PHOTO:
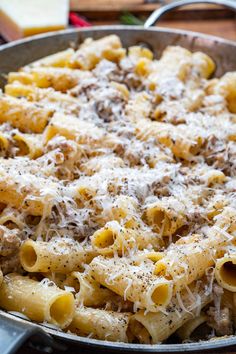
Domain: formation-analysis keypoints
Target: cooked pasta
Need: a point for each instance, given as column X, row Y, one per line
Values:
column 106, row 325
column 39, row 301
column 187, row 330
column 88, row 291
column 117, row 193
column 134, row 283
column 61, row 256
column 156, row 327
column 226, row 271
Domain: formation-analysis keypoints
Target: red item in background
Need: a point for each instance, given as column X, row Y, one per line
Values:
column 78, row 21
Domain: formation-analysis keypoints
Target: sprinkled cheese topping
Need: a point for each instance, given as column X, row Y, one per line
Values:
column 117, row 187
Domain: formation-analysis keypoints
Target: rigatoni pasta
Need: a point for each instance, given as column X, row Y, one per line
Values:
column 115, row 238
column 61, row 256
column 88, row 291
column 156, row 327
column 187, row 330
column 225, row 271
column 134, row 283
column 39, row 301
column 28, row 144
column 24, row 115
column 187, row 260
column 105, row 325
column 91, row 52
column 117, row 193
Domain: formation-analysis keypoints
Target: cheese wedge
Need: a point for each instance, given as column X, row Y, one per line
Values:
column 22, row 18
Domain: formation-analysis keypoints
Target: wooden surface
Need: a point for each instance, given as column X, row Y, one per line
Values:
column 205, row 19
column 135, row 6
column 209, row 19
column 221, row 28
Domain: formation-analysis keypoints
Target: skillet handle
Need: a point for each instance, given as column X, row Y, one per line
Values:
column 156, row 15
column 14, row 333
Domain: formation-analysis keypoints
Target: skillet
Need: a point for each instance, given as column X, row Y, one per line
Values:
column 14, row 331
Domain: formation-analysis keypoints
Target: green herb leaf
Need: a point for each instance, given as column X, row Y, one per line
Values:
column 129, row 19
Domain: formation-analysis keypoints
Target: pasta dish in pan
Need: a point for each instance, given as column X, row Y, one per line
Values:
column 118, row 193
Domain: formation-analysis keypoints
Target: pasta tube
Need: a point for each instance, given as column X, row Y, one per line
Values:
column 203, row 65
column 136, row 52
column 48, row 96
column 18, row 89
column 141, row 256
column 89, row 292
column 61, row 79
column 20, row 76
column 226, row 88
column 152, row 328
column 98, row 163
column 101, row 324
column 91, row 52
column 182, row 145
column 30, row 145
column 82, row 132
column 226, row 221
column 166, row 215
column 40, row 301
column 60, row 59
column 225, row 271
column 134, row 283
column 180, row 63
column 24, row 115
column 58, row 255
column 187, row 260
column 124, row 209
column 28, row 193
column 216, row 206
column 4, row 144
column 11, row 218
column 211, row 176
column 190, row 326
column 115, row 238
column 138, row 109
column 175, row 61
column 74, row 129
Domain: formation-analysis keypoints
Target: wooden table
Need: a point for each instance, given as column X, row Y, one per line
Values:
column 209, row 19
column 215, row 21
column 225, row 28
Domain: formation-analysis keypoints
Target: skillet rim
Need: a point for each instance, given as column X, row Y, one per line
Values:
column 75, row 340
column 116, row 27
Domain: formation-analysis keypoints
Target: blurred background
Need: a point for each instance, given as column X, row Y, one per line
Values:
column 20, row 18
column 210, row 19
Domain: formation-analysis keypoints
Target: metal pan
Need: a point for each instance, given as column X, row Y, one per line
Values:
column 14, row 331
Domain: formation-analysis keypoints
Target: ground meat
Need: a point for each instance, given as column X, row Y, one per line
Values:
column 67, row 147
column 220, row 321
column 9, row 241
column 10, row 264
column 9, row 249
column 221, row 155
